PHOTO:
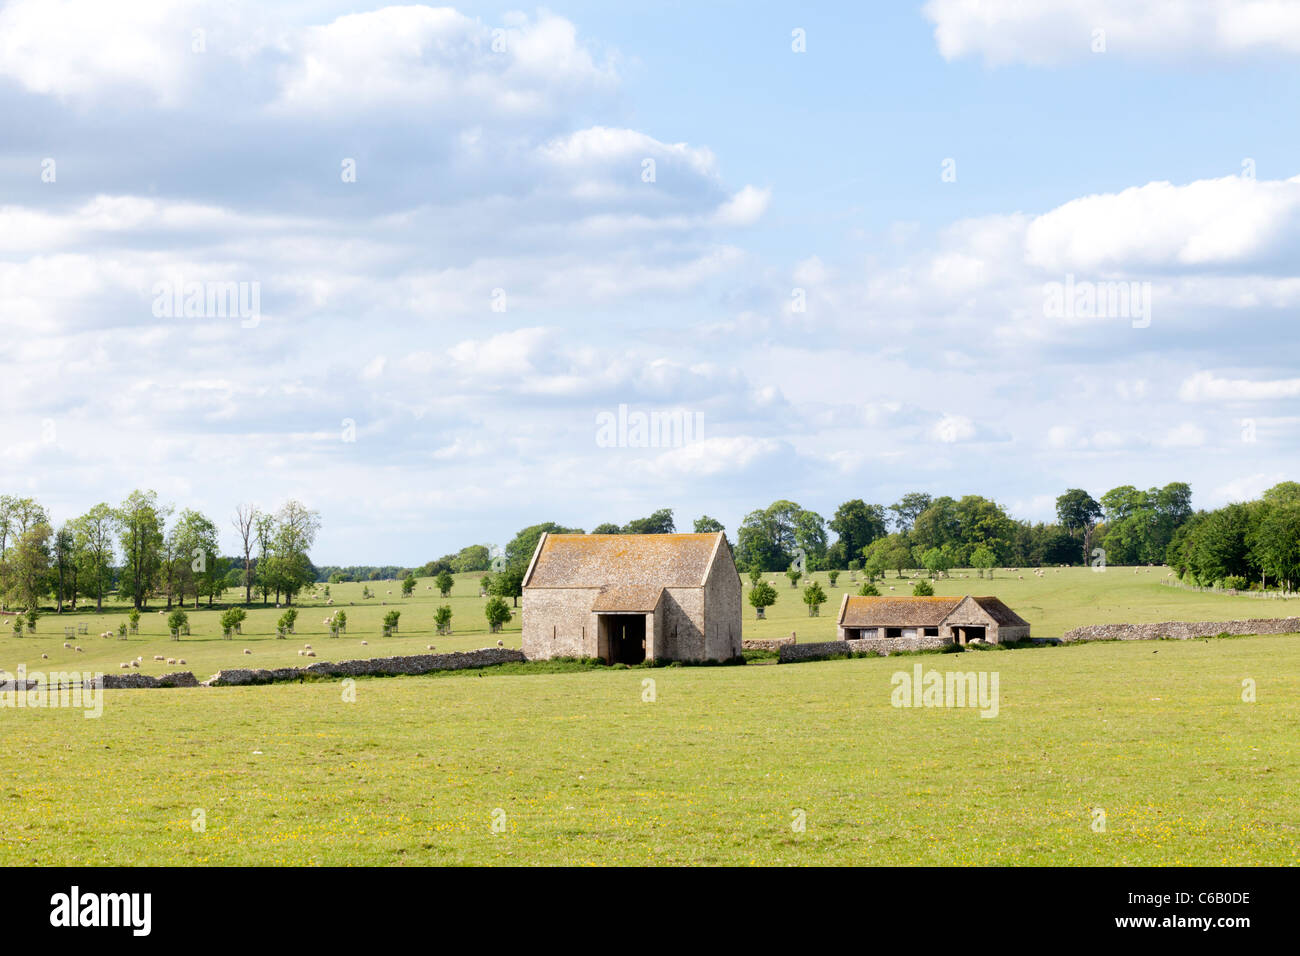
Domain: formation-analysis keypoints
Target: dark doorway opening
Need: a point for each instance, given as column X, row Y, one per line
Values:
column 969, row 632
column 625, row 636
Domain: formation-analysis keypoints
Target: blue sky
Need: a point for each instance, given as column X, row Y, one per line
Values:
column 436, row 340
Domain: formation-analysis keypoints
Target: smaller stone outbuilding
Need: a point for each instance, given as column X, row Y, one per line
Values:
column 952, row 620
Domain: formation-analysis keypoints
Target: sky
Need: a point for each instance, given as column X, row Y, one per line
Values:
column 401, row 263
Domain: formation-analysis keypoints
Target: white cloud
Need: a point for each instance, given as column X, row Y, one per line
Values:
column 1208, row 222
column 1042, row 34
column 1208, row 387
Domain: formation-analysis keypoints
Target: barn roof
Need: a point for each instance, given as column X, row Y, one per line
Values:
column 622, row 560
column 896, row 611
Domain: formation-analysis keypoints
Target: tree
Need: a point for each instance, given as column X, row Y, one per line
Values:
column 28, row 567
column 607, row 527
column 891, row 552
column 868, row 589
column 706, row 525
column 908, row 508
column 139, row 522
column 442, row 618
column 176, row 620
column 660, row 522
column 245, row 521
column 983, row 559
column 1078, row 514
column 444, row 582
column 794, row 574
column 814, row 597
column 832, row 576
column 408, row 585
column 192, row 546
column 856, row 524
column 497, row 613
column 1275, row 542
column 64, row 570
column 508, row 583
column 923, row 588
column 769, row 539
column 94, row 545
column 936, row 561
column 296, row 527
column 472, row 558
column 761, row 597
column 755, row 575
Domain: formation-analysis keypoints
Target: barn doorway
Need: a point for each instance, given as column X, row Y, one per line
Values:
column 623, row 638
column 969, row 632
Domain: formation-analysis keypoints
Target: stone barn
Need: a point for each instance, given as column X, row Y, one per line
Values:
column 628, row 598
column 953, row 620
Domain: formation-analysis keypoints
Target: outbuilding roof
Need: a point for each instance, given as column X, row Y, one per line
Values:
column 622, row 561
column 896, row 611
column 859, row 611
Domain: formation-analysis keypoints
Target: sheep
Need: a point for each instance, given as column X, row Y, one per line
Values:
column 181, row 662
column 365, row 643
column 125, row 667
column 501, row 643
column 45, row 657
column 79, row 650
column 157, row 657
column 300, row 653
column 67, row 646
column 135, row 663
column 247, row 651
column 428, row 647
column 171, row 660
column 310, row 654
column 891, row 587
column 307, row 647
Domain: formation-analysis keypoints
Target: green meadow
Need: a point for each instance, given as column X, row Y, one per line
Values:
column 757, row 764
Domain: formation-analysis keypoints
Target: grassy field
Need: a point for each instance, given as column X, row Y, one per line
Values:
column 1064, row 598
column 575, row 767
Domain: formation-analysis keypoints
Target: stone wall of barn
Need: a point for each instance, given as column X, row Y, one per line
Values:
column 558, row 622
column 723, row 603
column 683, row 624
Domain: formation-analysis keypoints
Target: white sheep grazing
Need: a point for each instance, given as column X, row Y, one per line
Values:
column 171, row 660
column 307, row 646
column 79, row 650
column 181, row 661
column 428, row 647
column 157, row 657
column 300, row 653
column 125, row 667
column 365, row 643
column 390, row 590
column 310, row 654
column 45, row 657
column 67, row 646
column 247, row 651
column 891, row 587
column 501, row 643
column 135, row 663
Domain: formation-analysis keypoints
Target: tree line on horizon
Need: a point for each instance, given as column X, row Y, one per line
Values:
column 144, row 550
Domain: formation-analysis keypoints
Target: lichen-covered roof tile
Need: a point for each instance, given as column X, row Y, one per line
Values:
column 623, row 560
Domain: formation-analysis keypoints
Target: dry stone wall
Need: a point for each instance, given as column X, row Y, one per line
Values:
column 380, row 666
column 1181, row 630
column 874, row 645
